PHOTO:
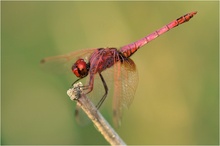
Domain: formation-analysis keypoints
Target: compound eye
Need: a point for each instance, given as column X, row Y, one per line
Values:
column 80, row 68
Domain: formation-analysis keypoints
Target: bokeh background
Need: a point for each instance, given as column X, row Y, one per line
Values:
column 176, row 101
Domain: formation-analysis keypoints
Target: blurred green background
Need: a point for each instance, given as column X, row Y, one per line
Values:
column 176, row 101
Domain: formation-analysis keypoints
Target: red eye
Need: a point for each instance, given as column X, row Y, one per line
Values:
column 80, row 68
column 75, row 71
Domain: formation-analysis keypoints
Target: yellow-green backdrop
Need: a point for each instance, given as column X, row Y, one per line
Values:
column 176, row 101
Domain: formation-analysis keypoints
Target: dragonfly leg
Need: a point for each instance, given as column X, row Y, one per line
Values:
column 106, row 92
column 86, row 87
column 75, row 81
column 89, row 88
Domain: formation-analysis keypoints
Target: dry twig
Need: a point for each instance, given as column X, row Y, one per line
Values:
column 102, row 125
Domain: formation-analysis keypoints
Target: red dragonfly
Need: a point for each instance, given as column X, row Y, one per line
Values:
column 125, row 74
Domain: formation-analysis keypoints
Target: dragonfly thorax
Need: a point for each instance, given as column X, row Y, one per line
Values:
column 80, row 68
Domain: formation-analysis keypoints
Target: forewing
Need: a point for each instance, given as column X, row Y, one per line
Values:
column 63, row 63
column 126, row 81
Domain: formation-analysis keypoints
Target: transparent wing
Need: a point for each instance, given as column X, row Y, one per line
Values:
column 80, row 117
column 63, row 63
column 126, row 81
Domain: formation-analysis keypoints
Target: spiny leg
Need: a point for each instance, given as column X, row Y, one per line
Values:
column 84, row 87
column 90, row 87
column 106, row 92
column 76, row 81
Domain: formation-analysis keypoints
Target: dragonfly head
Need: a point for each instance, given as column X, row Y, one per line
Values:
column 80, row 68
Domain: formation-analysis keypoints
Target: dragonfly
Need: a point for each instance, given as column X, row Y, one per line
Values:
column 92, row 62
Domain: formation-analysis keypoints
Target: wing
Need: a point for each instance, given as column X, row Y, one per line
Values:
column 63, row 63
column 126, row 81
